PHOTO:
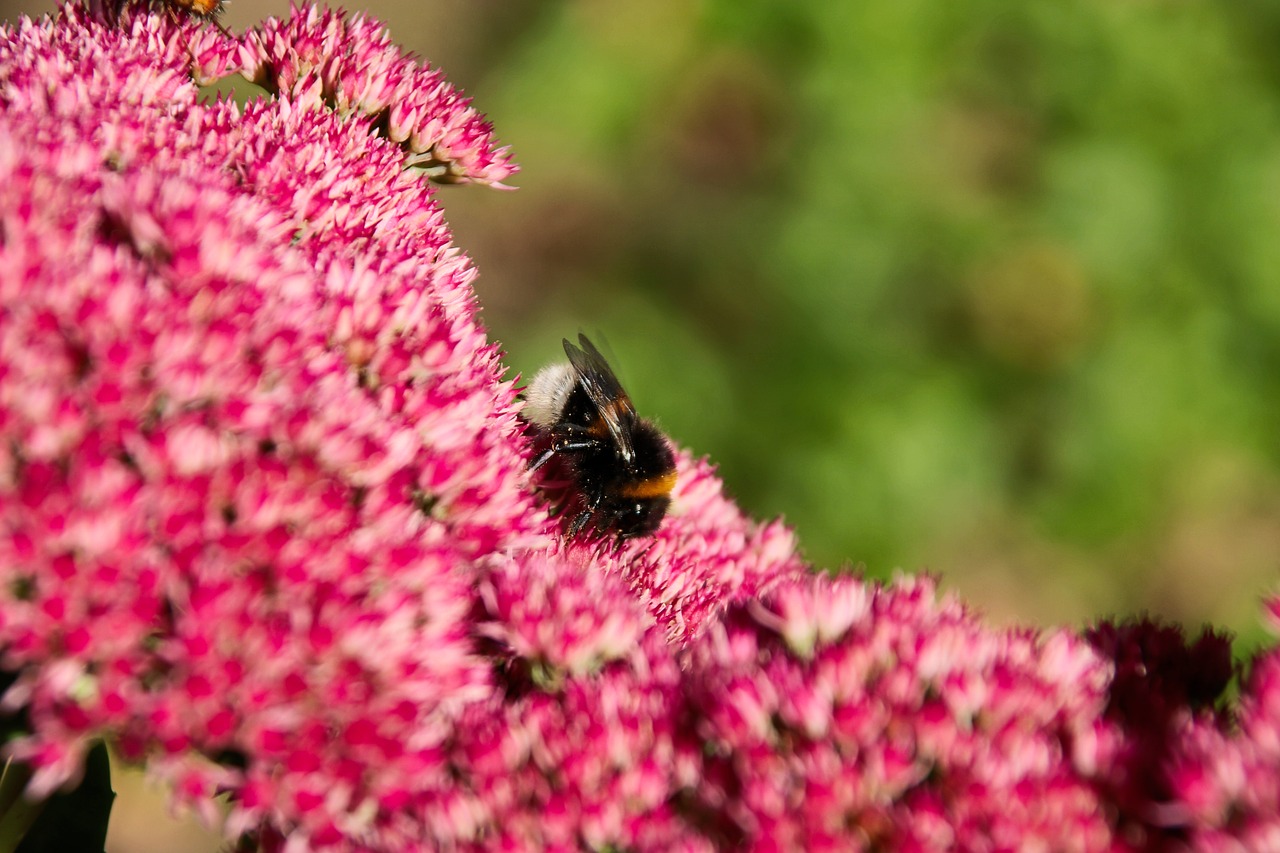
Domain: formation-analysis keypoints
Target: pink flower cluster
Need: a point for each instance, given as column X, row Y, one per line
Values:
column 837, row 713
column 266, row 526
column 1223, row 782
column 255, row 445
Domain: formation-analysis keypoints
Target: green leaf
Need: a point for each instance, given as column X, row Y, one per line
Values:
column 69, row 821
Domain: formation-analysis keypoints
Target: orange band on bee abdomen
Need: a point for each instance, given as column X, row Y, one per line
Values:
column 650, row 487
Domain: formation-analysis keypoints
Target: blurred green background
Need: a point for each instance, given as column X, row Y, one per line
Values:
column 986, row 288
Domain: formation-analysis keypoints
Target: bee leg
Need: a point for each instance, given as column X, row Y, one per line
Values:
column 565, row 444
column 542, row 460
column 579, row 521
column 562, row 446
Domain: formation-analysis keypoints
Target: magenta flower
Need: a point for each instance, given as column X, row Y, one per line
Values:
column 266, row 526
column 1223, row 780
column 837, row 713
column 255, row 444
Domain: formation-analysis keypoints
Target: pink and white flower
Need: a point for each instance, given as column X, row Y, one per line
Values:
column 266, row 525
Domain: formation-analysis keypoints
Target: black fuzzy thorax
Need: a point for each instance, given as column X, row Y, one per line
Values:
column 594, row 488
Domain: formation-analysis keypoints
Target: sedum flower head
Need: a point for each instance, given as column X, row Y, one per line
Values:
column 255, row 443
column 266, row 525
column 839, row 714
column 1220, row 778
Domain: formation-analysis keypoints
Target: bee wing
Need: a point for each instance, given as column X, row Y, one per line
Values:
column 605, row 391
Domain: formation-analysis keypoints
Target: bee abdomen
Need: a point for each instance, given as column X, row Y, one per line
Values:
column 656, row 486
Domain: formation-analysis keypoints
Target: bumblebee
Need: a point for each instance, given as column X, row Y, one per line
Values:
column 199, row 8
column 606, row 470
column 204, row 10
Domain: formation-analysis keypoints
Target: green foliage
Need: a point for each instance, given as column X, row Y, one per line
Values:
column 987, row 287
column 71, row 821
